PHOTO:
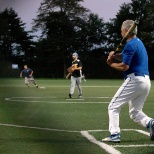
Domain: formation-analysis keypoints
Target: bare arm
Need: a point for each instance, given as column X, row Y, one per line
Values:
column 118, row 66
column 21, row 75
column 67, row 76
column 31, row 74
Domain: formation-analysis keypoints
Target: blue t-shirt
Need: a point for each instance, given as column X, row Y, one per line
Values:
column 26, row 72
column 135, row 55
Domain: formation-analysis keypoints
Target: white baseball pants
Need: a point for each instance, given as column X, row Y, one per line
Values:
column 133, row 91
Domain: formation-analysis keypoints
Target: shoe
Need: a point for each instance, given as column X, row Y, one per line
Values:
column 80, row 96
column 150, row 128
column 70, row 96
column 27, row 85
column 36, row 86
column 112, row 138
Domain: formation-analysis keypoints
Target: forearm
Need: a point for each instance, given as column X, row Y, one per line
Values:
column 31, row 73
column 21, row 75
column 118, row 66
column 67, row 76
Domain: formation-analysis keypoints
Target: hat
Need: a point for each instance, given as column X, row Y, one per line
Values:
column 75, row 54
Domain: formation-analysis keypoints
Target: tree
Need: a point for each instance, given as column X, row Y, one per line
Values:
column 68, row 27
column 14, row 40
column 71, row 8
column 136, row 10
column 141, row 10
column 56, row 19
column 95, row 32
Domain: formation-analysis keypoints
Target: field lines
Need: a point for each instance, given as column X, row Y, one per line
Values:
column 54, row 99
column 37, row 128
column 111, row 149
column 104, row 146
column 59, row 86
column 133, row 146
column 75, row 99
column 38, row 120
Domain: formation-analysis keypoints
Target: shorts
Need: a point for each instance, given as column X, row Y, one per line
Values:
column 28, row 80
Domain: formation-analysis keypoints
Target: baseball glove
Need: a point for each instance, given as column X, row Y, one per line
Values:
column 70, row 70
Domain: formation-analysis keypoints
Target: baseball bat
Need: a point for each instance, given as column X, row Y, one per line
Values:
column 130, row 30
column 83, row 77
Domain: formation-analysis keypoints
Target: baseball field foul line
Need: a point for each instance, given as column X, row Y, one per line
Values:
column 38, row 128
column 106, row 147
column 109, row 149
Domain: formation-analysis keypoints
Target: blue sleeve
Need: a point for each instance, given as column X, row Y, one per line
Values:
column 127, row 54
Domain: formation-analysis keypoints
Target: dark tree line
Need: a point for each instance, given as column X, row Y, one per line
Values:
column 15, row 42
column 66, row 27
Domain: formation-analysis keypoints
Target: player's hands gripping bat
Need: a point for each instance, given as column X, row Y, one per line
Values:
column 130, row 30
column 115, row 55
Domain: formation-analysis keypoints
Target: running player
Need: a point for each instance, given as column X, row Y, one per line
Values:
column 136, row 87
column 27, row 73
column 76, row 77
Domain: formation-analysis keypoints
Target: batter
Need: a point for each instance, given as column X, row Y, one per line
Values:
column 136, row 87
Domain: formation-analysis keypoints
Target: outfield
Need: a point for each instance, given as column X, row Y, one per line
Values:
column 44, row 121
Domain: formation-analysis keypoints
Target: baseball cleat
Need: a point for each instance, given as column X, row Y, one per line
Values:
column 150, row 128
column 112, row 138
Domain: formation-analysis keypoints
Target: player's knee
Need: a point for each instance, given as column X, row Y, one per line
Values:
column 133, row 114
column 113, row 109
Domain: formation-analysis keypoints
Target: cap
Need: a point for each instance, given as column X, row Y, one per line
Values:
column 75, row 54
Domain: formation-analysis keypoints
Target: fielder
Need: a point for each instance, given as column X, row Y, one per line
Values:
column 76, row 77
column 28, row 74
column 136, row 87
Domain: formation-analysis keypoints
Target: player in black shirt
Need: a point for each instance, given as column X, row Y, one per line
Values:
column 76, row 75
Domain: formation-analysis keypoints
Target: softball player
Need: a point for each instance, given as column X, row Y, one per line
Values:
column 135, row 88
column 75, row 75
column 28, row 74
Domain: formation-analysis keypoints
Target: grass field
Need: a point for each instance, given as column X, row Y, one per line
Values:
column 44, row 121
